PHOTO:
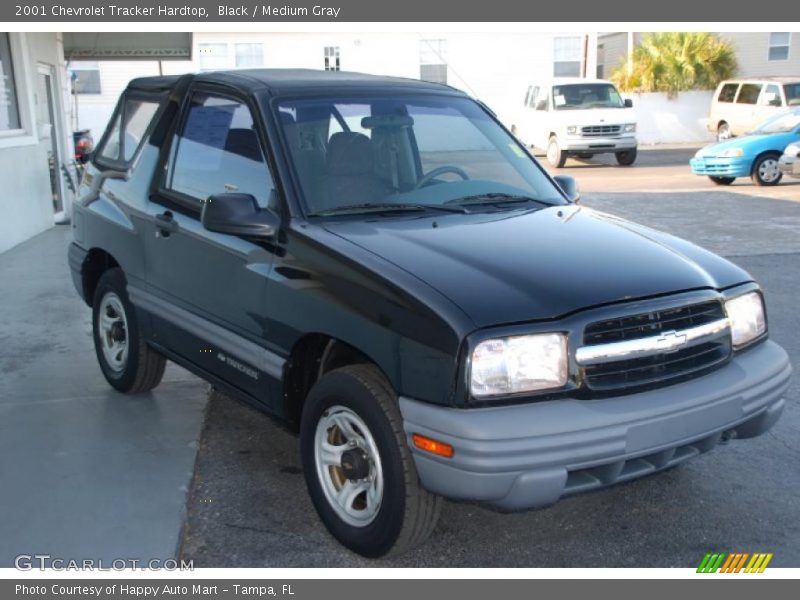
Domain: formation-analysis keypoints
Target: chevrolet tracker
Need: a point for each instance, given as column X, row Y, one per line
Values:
column 382, row 265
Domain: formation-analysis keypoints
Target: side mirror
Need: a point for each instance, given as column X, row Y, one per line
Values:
column 628, row 103
column 238, row 214
column 569, row 186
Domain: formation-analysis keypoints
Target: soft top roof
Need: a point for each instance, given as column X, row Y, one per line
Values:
column 294, row 81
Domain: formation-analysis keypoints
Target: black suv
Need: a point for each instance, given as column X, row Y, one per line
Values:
column 382, row 265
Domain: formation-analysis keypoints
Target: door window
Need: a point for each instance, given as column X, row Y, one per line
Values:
column 217, row 151
column 748, row 94
column 771, row 96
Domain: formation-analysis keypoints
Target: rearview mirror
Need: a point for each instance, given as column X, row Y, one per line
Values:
column 569, row 186
column 628, row 103
column 238, row 214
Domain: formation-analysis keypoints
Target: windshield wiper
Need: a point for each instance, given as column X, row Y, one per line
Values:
column 383, row 207
column 495, row 198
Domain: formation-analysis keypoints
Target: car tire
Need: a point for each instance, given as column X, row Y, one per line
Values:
column 127, row 362
column 765, row 169
column 387, row 511
column 626, row 158
column 724, row 132
column 555, row 155
column 722, row 180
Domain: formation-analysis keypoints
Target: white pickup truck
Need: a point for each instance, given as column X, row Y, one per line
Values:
column 578, row 117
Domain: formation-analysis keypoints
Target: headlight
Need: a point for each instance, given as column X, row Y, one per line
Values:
column 522, row 363
column 792, row 150
column 572, row 130
column 732, row 153
column 630, row 128
column 746, row 313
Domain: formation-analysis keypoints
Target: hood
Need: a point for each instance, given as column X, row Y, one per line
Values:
column 513, row 267
column 756, row 142
column 596, row 116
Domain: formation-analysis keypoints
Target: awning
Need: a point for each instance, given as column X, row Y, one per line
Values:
column 79, row 45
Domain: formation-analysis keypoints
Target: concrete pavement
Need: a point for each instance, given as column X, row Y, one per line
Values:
column 85, row 472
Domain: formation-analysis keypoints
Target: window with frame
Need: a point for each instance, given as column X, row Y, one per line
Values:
column 749, row 93
column 217, row 151
column 771, row 96
column 213, row 56
column 332, row 62
column 779, row 45
column 9, row 105
column 567, row 56
column 128, row 129
column 728, row 92
column 86, row 77
column 249, row 56
column 433, row 61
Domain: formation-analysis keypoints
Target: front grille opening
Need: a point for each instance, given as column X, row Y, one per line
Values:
column 600, row 130
column 660, row 369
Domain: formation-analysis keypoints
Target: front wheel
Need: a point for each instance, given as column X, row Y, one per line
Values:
column 722, row 180
column 357, row 465
column 626, row 158
column 555, row 155
column 766, row 170
column 724, row 132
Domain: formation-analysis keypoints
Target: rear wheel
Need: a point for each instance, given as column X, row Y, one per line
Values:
column 722, row 180
column 555, row 155
column 724, row 132
column 127, row 362
column 626, row 158
column 358, row 468
column 766, row 170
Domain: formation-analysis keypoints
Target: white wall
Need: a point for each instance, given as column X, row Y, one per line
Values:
column 664, row 120
column 26, row 195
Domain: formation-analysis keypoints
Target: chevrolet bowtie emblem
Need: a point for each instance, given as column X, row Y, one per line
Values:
column 670, row 340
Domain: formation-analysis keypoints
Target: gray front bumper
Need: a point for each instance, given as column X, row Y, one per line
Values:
column 598, row 145
column 529, row 455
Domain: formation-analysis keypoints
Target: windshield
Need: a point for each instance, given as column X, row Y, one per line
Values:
column 577, row 96
column 783, row 123
column 369, row 153
column 792, row 91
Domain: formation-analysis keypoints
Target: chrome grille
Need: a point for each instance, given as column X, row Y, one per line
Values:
column 600, row 130
column 653, row 348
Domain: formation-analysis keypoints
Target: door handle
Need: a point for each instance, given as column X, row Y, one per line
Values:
column 166, row 224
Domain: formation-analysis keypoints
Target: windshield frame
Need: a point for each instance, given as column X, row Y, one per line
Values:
column 271, row 106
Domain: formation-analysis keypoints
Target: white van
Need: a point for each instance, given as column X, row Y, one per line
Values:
column 739, row 105
column 578, row 117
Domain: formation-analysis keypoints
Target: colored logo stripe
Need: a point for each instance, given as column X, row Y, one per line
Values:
column 734, row 563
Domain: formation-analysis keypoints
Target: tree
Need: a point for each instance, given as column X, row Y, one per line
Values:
column 673, row 62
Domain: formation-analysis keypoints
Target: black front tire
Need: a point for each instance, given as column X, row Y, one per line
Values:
column 722, row 180
column 144, row 367
column 626, row 158
column 407, row 513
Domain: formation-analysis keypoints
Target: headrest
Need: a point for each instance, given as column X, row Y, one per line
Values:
column 243, row 142
column 349, row 153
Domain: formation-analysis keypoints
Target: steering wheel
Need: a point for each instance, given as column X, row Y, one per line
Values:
column 426, row 179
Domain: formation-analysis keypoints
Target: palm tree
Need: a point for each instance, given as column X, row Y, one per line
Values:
column 677, row 61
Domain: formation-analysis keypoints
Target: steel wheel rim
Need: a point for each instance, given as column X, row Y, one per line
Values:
column 339, row 430
column 768, row 170
column 552, row 152
column 112, row 326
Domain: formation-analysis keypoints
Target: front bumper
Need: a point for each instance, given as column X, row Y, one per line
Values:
column 790, row 165
column 721, row 167
column 524, row 456
column 597, row 145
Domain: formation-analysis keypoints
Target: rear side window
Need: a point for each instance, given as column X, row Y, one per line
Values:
column 128, row 129
column 217, row 151
column 728, row 92
column 748, row 94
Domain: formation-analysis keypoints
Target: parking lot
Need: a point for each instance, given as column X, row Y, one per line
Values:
column 88, row 472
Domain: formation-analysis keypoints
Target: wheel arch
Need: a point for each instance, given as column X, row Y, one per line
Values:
column 311, row 357
column 97, row 262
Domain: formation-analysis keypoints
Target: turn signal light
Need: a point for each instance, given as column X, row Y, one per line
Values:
column 432, row 446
